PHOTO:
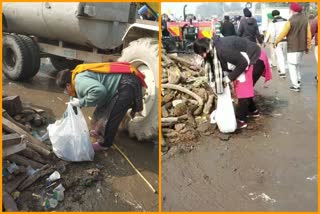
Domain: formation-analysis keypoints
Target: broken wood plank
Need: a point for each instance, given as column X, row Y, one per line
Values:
column 11, row 139
column 13, row 185
column 12, row 105
column 8, row 202
column 21, row 160
column 46, row 169
column 7, row 116
column 33, row 155
column 36, row 109
column 33, row 143
column 14, row 148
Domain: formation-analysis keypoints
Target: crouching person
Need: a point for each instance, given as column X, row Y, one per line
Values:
column 113, row 88
column 244, row 62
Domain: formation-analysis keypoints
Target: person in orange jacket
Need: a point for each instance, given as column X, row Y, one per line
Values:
column 113, row 88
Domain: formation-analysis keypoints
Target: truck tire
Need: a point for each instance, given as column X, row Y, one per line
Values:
column 15, row 57
column 34, row 53
column 60, row 63
column 143, row 54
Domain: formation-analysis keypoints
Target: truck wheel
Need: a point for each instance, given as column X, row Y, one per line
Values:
column 60, row 63
column 34, row 54
column 15, row 57
column 143, row 54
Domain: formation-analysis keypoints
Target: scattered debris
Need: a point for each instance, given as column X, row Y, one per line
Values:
column 312, row 178
column 263, row 196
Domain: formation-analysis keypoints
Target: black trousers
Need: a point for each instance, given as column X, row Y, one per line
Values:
column 107, row 118
column 246, row 105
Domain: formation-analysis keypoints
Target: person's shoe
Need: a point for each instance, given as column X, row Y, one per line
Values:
column 254, row 114
column 299, row 82
column 282, row 75
column 97, row 147
column 93, row 133
column 241, row 124
column 292, row 88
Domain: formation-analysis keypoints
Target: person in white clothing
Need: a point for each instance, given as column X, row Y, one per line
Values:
column 281, row 50
column 268, row 39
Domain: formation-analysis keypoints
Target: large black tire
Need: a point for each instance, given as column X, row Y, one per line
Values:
column 146, row 50
column 15, row 57
column 34, row 53
column 60, row 63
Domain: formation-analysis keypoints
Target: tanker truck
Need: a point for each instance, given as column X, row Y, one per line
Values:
column 70, row 33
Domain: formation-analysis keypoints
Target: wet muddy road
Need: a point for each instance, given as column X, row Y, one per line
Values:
column 270, row 166
column 118, row 188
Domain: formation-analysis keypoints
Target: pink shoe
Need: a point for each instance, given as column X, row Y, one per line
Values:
column 93, row 133
column 97, row 147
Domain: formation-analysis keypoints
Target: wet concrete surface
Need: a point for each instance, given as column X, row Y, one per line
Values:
column 270, row 166
column 118, row 188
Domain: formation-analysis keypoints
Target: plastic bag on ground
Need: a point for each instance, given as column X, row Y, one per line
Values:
column 224, row 114
column 70, row 137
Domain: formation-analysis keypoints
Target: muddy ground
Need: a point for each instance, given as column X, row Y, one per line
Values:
column 117, row 188
column 270, row 166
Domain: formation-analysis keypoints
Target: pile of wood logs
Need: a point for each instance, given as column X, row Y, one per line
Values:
column 21, row 151
column 187, row 99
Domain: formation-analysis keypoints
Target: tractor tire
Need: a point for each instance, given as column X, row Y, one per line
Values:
column 143, row 54
column 34, row 53
column 60, row 63
column 15, row 57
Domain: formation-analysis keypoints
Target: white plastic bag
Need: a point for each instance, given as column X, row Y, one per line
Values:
column 70, row 137
column 224, row 114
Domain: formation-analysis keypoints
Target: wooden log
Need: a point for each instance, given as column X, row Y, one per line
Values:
column 8, row 202
column 45, row 170
column 166, row 130
column 12, row 105
column 33, row 143
column 182, row 61
column 208, row 105
column 167, row 124
column 33, row 155
column 14, row 148
column 174, row 119
column 184, row 90
column 21, row 160
column 166, row 60
column 164, row 112
column 13, row 185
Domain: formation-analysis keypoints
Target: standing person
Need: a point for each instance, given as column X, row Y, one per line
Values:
column 298, row 33
column 248, row 27
column 281, row 49
column 269, row 39
column 112, row 88
column 238, row 56
column 227, row 28
column 314, row 34
column 164, row 25
column 217, row 27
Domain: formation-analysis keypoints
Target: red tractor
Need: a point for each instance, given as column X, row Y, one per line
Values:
column 182, row 34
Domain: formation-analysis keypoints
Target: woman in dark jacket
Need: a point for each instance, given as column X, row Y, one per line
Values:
column 232, row 50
